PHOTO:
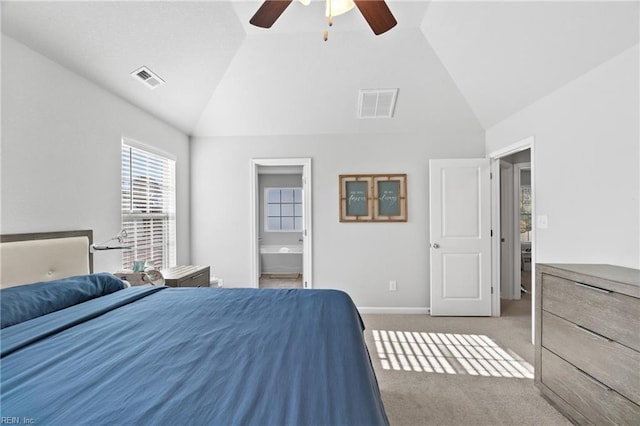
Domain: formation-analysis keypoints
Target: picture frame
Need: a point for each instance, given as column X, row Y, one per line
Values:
column 390, row 198
column 373, row 198
column 355, row 198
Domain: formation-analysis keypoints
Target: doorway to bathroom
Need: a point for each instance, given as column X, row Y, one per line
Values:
column 281, row 223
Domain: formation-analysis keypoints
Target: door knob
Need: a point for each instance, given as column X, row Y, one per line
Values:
column 435, row 245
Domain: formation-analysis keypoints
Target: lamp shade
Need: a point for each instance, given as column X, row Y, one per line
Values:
column 338, row 7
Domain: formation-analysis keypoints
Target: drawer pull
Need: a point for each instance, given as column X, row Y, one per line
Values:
column 590, row 287
column 197, row 276
column 592, row 333
column 594, row 381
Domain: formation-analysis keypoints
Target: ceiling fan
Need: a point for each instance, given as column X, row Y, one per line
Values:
column 375, row 12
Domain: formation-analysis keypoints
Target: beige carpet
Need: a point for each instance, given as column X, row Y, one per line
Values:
column 463, row 395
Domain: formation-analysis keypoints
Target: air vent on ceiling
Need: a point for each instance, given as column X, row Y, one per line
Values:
column 377, row 103
column 148, row 77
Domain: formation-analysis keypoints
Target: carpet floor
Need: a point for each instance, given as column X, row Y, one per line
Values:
column 458, row 370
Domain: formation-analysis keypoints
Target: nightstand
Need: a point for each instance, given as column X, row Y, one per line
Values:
column 186, row 276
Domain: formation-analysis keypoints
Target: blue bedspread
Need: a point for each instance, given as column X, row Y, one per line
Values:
column 195, row 356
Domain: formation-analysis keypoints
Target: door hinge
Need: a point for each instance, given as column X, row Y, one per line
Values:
column 492, row 232
column 491, row 290
column 306, row 285
column 490, row 175
column 305, row 232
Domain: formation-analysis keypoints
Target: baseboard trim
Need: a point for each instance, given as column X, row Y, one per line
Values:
column 413, row 311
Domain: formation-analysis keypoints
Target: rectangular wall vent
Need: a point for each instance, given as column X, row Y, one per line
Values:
column 148, row 77
column 377, row 103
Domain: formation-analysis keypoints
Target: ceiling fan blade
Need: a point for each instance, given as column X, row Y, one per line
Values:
column 269, row 12
column 377, row 14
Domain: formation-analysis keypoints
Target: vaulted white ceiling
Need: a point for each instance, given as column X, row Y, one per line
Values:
column 226, row 77
column 505, row 55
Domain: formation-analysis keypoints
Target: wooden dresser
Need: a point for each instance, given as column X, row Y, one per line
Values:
column 587, row 341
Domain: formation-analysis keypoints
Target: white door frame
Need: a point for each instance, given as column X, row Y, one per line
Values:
column 527, row 143
column 307, row 264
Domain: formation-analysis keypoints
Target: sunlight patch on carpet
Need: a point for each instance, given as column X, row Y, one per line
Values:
column 448, row 353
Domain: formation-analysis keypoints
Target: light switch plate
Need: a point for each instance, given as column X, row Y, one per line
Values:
column 542, row 221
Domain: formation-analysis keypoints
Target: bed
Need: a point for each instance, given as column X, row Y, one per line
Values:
column 105, row 354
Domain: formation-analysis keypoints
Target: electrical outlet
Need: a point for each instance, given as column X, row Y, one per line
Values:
column 393, row 285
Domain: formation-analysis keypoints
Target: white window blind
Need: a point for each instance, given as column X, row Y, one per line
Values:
column 148, row 207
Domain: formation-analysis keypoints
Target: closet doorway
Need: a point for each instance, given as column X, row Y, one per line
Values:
column 281, row 223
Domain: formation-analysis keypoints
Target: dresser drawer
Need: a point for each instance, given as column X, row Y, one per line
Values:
column 187, row 276
column 610, row 314
column 599, row 403
column 200, row 279
column 611, row 363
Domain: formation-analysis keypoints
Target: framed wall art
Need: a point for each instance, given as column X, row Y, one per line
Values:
column 355, row 198
column 373, row 198
column 390, row 198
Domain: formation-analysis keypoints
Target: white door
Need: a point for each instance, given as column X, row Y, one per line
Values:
column 506, row 231
column 460, row 230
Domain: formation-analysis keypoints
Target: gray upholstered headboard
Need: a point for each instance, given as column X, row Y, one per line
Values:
column 44, row 256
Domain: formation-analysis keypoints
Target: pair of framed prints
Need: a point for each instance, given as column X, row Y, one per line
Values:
column 373, row 198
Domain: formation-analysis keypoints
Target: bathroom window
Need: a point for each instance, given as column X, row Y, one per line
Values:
column 283, row 209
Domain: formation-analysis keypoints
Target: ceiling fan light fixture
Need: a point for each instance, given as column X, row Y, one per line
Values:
column 375, row 12
column 338, row 7
column 305, row 2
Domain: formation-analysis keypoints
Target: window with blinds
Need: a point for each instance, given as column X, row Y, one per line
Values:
column 148, row 207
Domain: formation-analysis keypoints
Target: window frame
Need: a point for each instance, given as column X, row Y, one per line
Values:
column 295, row 217
column 161, row 169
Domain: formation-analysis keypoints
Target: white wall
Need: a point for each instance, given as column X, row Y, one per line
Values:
column 258, row 111
column 359, row 258
column 586, row 164
column 61, row 138
column 277, row 263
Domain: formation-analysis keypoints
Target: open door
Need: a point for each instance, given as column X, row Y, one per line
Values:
column 507, row 233
column 460, row 229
